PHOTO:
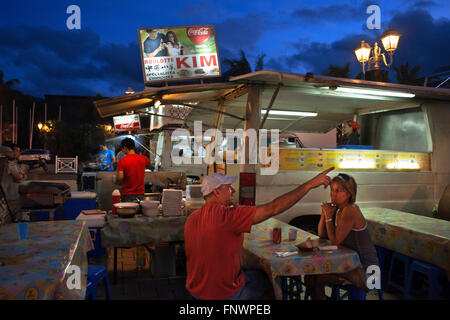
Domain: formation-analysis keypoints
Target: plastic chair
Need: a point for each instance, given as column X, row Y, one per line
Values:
column 291, row 287
column 98, row 251
column 433, row 274
column 352, row 292
column 95, row 274
column 91, row 291
column 405, row 261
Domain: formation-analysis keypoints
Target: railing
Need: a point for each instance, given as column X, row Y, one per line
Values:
column 66, row 165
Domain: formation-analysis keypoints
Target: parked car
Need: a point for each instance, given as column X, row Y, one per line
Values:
column 34, row 155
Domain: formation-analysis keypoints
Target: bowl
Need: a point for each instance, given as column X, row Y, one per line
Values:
column 126, row 209
column 308, row 245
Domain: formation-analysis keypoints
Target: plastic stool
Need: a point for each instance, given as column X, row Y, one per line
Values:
column 98, row 251
column 91, row 291
column 381, row 252
column 406, row 261
column 353, row 293
column 433, row 274
column 95, row 274
column 291, row 287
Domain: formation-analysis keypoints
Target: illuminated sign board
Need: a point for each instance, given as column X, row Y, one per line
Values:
column 127, row 123
column 178, row 53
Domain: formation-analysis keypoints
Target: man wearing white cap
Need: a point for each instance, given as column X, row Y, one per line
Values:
column 214, row 236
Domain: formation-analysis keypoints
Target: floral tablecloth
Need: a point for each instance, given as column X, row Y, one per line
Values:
column 139, row 230
column 419, row 237
column 39, row 267
column 259, row 251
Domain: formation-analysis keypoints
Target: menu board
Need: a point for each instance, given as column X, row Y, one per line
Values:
column 360, row 160
column 178, row 53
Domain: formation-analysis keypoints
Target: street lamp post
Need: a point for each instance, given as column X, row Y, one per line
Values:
column 363, row 53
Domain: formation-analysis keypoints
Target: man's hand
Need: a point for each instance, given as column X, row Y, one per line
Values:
column 321, row 179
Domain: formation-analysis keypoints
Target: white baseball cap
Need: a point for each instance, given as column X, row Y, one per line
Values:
column 214, row 181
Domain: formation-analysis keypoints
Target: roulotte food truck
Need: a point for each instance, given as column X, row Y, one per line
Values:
column 402, row 162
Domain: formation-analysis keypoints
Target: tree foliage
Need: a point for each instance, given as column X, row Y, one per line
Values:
column 64, row 140
column 406, row 76
column 338, row 71
column 242, row 66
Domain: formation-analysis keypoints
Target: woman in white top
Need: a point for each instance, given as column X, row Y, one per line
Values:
column 173, row 46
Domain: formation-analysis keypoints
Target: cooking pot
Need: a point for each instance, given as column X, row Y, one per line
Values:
column 126, row 209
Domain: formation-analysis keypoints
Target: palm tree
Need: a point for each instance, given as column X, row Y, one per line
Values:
column 406, row 76
column 337, row 71
column 260, row 62
column 242, row 66
column 8, row 84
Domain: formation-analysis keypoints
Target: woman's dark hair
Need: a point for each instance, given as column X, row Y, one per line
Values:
column 174, row 37
column 128, row 143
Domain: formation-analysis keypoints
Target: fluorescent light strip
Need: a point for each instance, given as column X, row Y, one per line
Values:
column 376, row 92
column 289, row 113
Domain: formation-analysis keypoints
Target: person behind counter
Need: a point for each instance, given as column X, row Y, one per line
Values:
column 107, row 158
column 350, row 133
column 131, row 171
column 214, row 236
column 343, row 223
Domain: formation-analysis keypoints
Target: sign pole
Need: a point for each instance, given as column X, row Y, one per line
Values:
column 31, row 125
column 13, row 121
column 1, row 124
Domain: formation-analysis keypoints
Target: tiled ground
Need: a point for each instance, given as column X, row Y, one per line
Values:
column 135, row 280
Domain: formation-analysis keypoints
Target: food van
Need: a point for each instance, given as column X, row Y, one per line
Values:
column 404, row 164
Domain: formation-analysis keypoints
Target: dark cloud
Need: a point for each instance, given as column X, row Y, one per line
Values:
column 242, row 33
column 424, row 4
column 423, row 42
column 334, row 13
column 315, row 57
column 69, row 62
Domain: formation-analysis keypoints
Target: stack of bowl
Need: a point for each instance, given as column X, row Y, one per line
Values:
column 150, row 208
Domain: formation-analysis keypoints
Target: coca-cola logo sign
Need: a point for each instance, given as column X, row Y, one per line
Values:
column 198, row 35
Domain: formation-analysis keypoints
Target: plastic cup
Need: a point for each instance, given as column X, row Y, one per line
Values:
column 292, row 234
column 22, row 229
column 276, row 235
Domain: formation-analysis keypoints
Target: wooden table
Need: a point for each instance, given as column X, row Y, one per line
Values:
column 419, row 237
column 259, row 252
column 141, row 230
column 38, row 267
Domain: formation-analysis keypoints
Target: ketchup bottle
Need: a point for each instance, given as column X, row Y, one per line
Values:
column 115, row 199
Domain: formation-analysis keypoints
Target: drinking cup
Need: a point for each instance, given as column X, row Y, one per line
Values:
column 22, row 229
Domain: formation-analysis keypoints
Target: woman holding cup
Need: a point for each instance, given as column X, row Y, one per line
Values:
column 343, row 223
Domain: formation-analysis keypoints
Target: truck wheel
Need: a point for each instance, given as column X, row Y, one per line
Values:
column 306, row 223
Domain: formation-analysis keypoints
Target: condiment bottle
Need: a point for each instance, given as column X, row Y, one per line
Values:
column 115, row 199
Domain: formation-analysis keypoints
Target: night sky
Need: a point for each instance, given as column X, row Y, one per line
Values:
column 103, row 58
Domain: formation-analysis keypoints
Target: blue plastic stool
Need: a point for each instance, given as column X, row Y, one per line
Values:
column 406, row 261
column 95, row 274
column 352, row 292
column 96, row 238
column 433, row 274
column 291, row 286
column 91, row 291
column 381, row 253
